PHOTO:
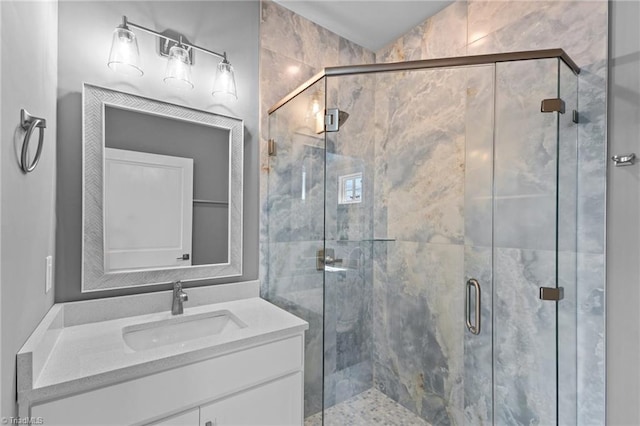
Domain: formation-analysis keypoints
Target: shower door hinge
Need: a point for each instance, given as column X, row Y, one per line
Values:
column 551, row 293
column 332, row 120
column 576, row 117
column 271, row 148
column 552, row 105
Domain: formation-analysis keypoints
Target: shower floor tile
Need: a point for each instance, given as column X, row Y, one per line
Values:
column 369, row 408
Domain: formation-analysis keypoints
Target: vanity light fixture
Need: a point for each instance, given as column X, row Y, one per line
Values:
column 178, row 72
column 124, row 58
column 225, row 83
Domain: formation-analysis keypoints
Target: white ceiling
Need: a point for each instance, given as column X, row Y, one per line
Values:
column 370, row 23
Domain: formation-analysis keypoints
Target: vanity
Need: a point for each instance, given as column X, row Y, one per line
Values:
column 128, row 361
column 162, row 203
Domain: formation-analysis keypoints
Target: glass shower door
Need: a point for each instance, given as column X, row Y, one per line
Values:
column 534, row 243
column 295, row 208
column 395, row 339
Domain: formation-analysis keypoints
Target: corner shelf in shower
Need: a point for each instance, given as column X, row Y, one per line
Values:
column 367, row 240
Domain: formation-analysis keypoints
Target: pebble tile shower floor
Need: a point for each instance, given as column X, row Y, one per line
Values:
column 369, row 408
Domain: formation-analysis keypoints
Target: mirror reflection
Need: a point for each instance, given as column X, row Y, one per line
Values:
column 166, row 192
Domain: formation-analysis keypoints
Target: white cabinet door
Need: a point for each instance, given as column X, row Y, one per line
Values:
column 190, row 418
column 278, row 403
column 148, row 210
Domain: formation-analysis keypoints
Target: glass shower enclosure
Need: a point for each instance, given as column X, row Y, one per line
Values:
column 422, row 219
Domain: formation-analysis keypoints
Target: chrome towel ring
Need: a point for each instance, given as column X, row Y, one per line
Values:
column 29, row 123
column 624, row 159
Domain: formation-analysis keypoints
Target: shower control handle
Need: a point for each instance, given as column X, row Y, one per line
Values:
column 326, row 257
column 473, row 327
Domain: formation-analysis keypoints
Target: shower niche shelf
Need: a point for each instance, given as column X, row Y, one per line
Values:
column 367, row 240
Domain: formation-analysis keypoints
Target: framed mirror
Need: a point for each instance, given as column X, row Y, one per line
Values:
column 162, row 192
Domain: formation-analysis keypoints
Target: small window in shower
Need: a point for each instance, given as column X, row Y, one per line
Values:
column 350, row 189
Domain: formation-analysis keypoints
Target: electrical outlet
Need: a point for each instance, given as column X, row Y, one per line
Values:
column 49, row 274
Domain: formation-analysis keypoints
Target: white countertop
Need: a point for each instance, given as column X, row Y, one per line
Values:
column 62, row 360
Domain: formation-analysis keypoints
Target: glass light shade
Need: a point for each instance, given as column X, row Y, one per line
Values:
column 178, row 73
column 124, row 56
column 225, row 82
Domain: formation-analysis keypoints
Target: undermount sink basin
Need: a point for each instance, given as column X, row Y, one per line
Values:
column 181, row 329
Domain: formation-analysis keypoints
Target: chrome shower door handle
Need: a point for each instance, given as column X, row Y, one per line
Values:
column 474, row 328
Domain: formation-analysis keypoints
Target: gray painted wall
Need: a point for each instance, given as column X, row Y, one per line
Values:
column 27, row 202
column 209, row 149
column 229, row 26
column 623, row 218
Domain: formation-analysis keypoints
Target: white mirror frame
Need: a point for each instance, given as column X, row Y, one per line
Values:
column 94, row 278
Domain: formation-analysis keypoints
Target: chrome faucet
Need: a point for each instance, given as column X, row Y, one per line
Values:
column 179, row 296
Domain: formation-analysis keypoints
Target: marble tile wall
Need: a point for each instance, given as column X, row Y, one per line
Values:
column 292, row 224
column 524, row 338
column 418, row 347
column 419, row 278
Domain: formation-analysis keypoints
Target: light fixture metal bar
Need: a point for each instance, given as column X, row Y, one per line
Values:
column 126, row 22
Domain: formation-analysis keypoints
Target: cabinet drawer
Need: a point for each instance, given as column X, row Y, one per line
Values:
column 147, row 398
column 278, row 403
column 190, row 418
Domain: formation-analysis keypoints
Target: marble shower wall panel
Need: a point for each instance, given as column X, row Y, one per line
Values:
column 295, row 206
column 525, row 155
column 478, row 349
column 478, row 217
column 524, row 338
column 478, row 162
column 418, row 328
column 296, row 181
column 350, row 53
column 292, row 50
column 291, row 35
column 424, row 156
column 567, row 162
column 591, row 339
column 418, row 282
column 487, row 16
column 304, row 304
column 348, row 230
column 351, row 150
column 276, row 75
column 384, row 88
column 567, row 339
column 580, row 28
column 348, row 323
column 442, row 35
column 293, row 268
